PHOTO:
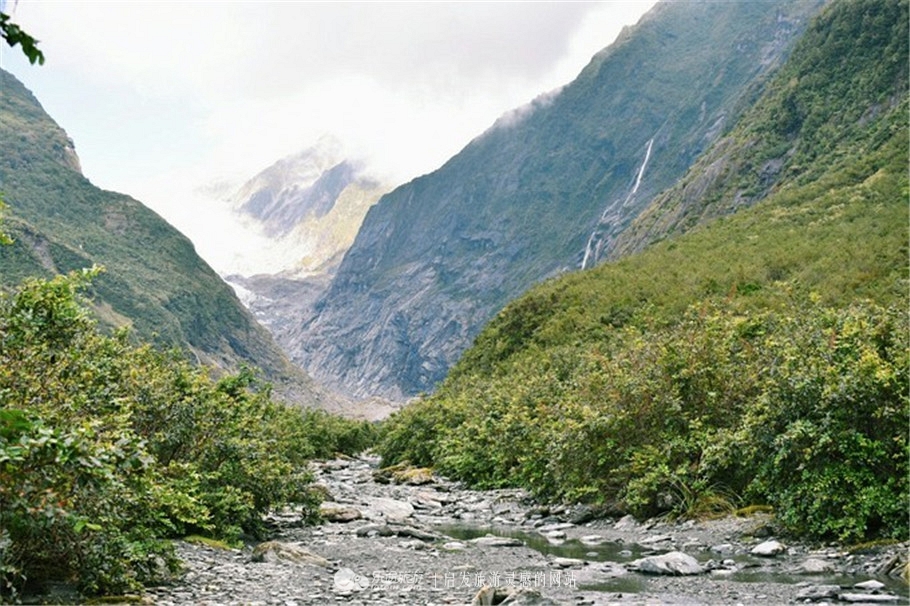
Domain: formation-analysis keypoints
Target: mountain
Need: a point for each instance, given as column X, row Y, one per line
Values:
column 308, row 206
column 797, row 128
column 759, row 357
column 546, row 189
column 154, row 280
column 306, row 210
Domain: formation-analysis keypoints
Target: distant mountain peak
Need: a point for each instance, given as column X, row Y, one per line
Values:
column 305, row 209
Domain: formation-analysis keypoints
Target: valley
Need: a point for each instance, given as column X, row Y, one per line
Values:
column 647, row 334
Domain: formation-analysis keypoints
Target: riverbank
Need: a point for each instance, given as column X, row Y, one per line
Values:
column 431, row 541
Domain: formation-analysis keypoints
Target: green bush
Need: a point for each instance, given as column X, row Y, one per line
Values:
column 107, row 449
column 804, row 408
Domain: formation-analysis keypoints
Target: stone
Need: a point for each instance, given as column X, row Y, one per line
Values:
column 386, row 509
column 768, row 549
column 592, row 539
column 655, row 539
column 870, row 585
column 494, row 541
column 555, row 527
column 626, row 523
column 487, row 596
column 333, row 512
column 815, row 566
column 276, row 551
column 818, row 592
column 672, row 563
column 454, row 546
column 867, row 598
column 723, row 548
column 568, row 562
column 391, row 530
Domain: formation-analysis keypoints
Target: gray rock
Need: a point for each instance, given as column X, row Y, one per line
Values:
column 723, row 548
column 818, row 592
column 494, row 541
column 568, row 562
column 626, row 523
column 875, row 598
column 555, row 527
column 276, row 551
column 592, row 539
column 870, row 585
column 385, row 509
column 768, row 549
column 391, row 530
column 333, row 512
column 651, row 540
column 510, row 595
column 672, row 563
column 815, row 566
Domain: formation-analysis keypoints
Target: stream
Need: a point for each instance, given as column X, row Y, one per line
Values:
column 425, row 540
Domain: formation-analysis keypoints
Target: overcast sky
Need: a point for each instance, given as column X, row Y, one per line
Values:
column 162, row 97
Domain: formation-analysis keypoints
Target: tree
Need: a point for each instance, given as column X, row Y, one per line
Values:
column 14, row 35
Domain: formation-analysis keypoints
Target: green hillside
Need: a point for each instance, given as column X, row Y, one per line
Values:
column 154, row 280
column 759, row 359
column 828, row 104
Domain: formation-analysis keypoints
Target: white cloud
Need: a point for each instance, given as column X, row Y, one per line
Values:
column 161, row 97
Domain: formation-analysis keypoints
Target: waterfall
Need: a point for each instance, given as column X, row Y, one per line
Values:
column 595, row 241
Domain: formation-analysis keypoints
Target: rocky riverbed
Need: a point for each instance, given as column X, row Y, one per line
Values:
column 424, row 540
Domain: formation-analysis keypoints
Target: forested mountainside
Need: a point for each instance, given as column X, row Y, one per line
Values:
column 153, row 281
column 760, row 359
column 547, row 189
column 839, row 90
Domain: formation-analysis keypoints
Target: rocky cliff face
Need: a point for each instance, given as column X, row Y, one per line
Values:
column 840, row 87
column 548, row 188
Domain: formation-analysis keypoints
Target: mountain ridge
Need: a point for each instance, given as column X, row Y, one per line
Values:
column 437, row 257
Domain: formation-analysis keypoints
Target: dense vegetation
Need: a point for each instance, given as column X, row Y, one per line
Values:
column 761, row 359
column 107, row 448
column 155, row 283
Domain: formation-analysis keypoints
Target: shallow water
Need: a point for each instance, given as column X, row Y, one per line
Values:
column 750, row 569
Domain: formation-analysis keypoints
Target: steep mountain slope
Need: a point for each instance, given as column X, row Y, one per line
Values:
column 154, row 280
column 758, row 359
column 798, row 128
column 546, row 189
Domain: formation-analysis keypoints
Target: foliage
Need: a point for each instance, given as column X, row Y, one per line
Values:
column 107, row 448
column 14, row 35
column 156, row 283
column 760, row 359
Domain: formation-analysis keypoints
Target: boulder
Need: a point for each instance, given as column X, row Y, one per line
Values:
column 494, row 541
column 487, row 596
column 870, row 585
column 869, row 598
column 769, row 549
column 818, row 592
column 385, row 509
column 675, row 563
column 332, row 512
column 815, row 566
column 626, row 523
column 276, row 551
